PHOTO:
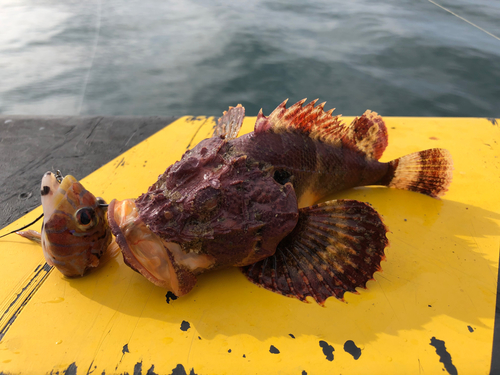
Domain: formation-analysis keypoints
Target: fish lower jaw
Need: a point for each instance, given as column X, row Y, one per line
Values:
column 147, row 253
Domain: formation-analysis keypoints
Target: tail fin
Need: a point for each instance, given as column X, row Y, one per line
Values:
column 335, row 248
column 428, row 172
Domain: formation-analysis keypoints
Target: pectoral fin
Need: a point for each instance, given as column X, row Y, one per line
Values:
column 31, row 235
column 335, row 248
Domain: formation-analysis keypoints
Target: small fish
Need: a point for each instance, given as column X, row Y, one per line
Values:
column 75, row 233
column 251, row 202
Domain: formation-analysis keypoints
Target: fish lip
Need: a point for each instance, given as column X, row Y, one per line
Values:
column 128, row 255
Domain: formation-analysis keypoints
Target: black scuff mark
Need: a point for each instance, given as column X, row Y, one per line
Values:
column 493, row 121
column 199, row 337
column 151, row 371
column 124, row 350
column 274, row 350
column 229, row 351
column 292, row 336
column 89, row 370
column 244, row 356
column 327, row 350
column 444, row 356
column 170, row 297
column 197, row 130
column 121, row 163
column 351, row 348
column 180, row 370
column 71, row 370
column 39, row 277
column 470, row 329
column 185, row 326
column 138, row 368
column 304, row 372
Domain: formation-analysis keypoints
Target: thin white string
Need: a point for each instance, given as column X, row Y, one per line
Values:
column 463, row 19
column 94, row 48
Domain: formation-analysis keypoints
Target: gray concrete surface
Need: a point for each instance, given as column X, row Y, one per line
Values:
column 33, row 145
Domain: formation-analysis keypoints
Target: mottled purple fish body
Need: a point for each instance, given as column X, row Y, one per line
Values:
column 250, row 202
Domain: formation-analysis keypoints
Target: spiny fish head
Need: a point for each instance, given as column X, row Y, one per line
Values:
column 75, row 233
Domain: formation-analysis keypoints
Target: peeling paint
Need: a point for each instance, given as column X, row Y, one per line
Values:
column 327, row 350
column 351, row 348
column 170, row 296
column 493, row 121
column 444, row 356
column 138, row 368
column 274, row 350
column 71, row 370
column 180, row 370
column 124, row 350
column 185, row 326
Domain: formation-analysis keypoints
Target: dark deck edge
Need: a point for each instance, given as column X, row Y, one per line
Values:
column 33, row 145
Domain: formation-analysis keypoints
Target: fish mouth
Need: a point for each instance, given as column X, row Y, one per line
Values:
column 145, row 252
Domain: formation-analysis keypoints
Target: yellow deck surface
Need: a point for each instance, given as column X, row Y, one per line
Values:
column 439, row 280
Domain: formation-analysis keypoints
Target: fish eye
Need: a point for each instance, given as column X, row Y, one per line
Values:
column 85, row 216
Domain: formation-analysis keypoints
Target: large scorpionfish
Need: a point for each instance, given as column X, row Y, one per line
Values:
column 250, row 202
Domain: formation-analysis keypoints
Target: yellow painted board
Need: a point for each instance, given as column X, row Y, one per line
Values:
column 438, row 281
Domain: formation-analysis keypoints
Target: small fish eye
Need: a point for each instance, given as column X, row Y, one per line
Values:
column 85, row 216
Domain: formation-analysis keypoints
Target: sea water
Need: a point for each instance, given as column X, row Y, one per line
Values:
column 197, row 57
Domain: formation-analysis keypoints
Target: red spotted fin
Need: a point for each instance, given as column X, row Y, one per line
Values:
column 335, row 248
column 366, row 135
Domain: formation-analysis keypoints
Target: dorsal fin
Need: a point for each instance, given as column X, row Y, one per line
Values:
column 366, row 134
column 229, row 125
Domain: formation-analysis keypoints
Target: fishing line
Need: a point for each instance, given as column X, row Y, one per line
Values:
column 463, row 19
column 94, row 49
column 26, row 226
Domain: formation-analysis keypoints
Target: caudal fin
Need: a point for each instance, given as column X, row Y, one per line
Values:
column 335, row 248
column 428, row 172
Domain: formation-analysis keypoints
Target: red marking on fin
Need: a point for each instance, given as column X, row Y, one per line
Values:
column 428, row 172
column 366, row 134
column 336, row 247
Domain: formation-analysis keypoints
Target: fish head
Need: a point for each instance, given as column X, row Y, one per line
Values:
column 210, row 210
column 162, row 262
column 75, row 233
